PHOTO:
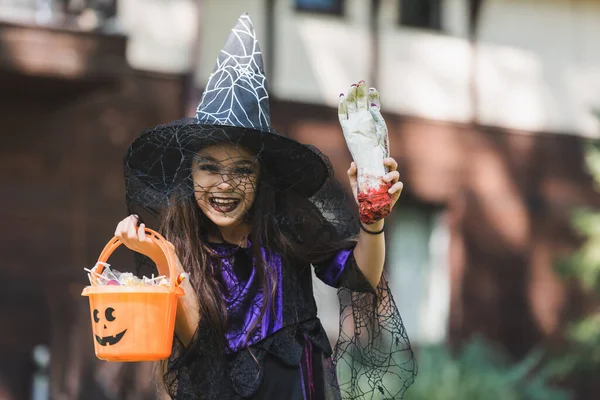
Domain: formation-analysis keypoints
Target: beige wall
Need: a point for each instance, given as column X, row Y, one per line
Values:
column 538, row 65
column 540, row 68
column 161, row 33
column 220, row 18
column 318, row 56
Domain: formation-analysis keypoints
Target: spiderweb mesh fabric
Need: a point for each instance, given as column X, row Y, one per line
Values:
column 373, row 355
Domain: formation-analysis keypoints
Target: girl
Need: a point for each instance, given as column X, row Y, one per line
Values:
column 248, row 211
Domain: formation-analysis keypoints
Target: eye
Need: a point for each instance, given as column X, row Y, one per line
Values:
column 244, row 171
column 96, row 319
column 109, row 314
column 213, row 169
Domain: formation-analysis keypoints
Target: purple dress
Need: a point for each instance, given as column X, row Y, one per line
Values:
column 288, row 355
column 290, row 334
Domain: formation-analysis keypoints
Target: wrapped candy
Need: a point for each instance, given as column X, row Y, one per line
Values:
column 367, row 139
column 181, row 277
column 113, row 277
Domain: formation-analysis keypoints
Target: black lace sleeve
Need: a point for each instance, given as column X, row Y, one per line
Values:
column 373, row 356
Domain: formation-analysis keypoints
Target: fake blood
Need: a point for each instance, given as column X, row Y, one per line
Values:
column 374, row 203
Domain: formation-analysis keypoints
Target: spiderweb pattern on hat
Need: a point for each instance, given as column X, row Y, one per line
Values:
column 238, row 71
column 372, row 357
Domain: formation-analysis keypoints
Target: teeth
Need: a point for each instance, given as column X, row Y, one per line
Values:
column 224, row 201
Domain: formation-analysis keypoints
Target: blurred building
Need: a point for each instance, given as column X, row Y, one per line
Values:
column 70, row 103
column 488, row 104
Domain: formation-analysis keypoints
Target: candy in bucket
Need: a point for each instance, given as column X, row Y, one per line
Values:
column 115, row 278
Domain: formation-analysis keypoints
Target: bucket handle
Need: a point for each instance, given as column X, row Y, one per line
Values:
column 156, row 247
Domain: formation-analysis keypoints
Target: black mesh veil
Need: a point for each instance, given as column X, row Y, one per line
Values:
column 227, row 166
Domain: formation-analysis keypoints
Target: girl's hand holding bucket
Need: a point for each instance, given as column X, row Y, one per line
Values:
column 135, row 238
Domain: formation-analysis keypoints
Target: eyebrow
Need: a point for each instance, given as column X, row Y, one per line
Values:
column 200, row 159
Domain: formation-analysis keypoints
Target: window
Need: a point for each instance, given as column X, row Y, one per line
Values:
column 418, row 271
column 421, row 14
column 87, row 14
column 321, row 6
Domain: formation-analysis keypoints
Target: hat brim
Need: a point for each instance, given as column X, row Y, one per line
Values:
column 161, row 157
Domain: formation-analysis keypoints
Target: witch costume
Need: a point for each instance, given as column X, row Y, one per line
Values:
column 287, row 355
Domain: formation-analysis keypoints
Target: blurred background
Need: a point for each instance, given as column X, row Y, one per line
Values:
column 493, row 250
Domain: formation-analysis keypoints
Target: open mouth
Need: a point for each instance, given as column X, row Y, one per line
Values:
column 224, row 204
column 110, row 340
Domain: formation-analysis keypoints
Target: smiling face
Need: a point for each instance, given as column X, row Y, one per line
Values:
column 225, row 178
column 105, row 318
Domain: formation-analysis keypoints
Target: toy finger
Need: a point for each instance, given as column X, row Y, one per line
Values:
column 342, row 110
column 380, row 125
column 351, row 100
column 373, row 98
column 361, row 97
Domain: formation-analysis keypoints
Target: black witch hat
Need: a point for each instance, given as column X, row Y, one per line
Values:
column 235, row 109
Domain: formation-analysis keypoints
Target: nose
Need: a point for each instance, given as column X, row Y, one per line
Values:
column 225, row 183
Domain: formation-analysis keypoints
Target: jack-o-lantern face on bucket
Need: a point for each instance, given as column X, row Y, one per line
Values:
column 109, row 316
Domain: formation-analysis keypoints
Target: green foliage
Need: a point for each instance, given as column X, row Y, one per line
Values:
column 583, row 355
column 480, row 372
column 592, row 159
column 583, row 265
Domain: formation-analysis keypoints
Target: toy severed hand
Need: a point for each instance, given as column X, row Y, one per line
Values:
column 366, row 135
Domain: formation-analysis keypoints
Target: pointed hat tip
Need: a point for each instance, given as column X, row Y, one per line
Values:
column 244, row 23
column 245, row 16
column 236, row 93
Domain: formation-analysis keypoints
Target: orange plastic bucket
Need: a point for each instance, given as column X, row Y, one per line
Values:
column 135, row 323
